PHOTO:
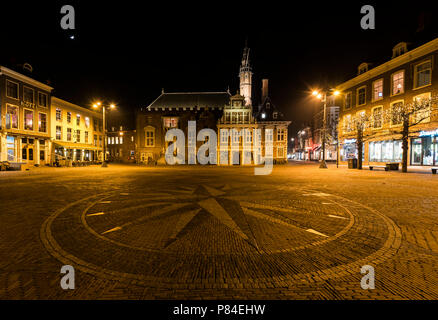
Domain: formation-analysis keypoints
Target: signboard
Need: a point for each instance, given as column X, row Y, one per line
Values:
column 27, row 104
column 429, row 133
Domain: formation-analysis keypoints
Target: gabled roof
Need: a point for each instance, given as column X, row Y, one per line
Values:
column 214, row 100
column 270, row 111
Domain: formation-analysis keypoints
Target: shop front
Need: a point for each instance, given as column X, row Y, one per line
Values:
column 68, row 153
column 31, row 150
column 385, row 151
column 424, row 149
column 348, row 150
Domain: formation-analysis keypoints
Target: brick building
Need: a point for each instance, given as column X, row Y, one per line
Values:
column 410, row 74
column 121, row 145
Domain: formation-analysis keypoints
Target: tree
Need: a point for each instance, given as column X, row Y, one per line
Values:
column 355, row 126
column 359, row 127
column 405, row 119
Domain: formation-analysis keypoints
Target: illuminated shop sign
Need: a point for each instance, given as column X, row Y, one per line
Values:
column 429, row 133
column 347, row 141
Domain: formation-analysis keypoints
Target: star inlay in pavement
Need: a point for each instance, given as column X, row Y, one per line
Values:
column 188, row 206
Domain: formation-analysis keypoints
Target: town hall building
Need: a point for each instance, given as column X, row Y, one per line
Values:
column 218, row 111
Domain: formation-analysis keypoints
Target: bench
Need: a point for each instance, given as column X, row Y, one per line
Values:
column 388, row 166
column 382, row 167
column 434, row 170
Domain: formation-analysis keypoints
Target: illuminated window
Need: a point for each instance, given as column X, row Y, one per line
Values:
column 42, row 122
column 378, row 89
column 78, row 135
column 377, row 117
column 58, row 132
column 86, row 137
column 11, row 117
column 398, row 82
column 396, row 113
column 58, row 114
column 68, row 134
column 422, row 105
column 87, row 122
column 28, row 119
column 280, row 134
column 78, row 120
column 423, row 74
column 170, row 122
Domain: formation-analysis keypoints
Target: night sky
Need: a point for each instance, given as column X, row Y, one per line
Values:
column 127, row 51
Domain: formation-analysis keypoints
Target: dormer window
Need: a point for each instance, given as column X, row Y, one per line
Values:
column 363, row 67
column 399, row 49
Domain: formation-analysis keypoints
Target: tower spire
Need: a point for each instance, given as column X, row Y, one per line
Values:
column 245, row 75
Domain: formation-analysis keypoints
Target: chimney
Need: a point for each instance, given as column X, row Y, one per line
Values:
column 264, row 89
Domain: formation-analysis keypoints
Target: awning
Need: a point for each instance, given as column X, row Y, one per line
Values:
column 72, row 145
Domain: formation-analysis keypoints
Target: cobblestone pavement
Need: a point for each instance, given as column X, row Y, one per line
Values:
column 218, row 233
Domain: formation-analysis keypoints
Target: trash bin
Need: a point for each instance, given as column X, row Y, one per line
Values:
column 352, row 163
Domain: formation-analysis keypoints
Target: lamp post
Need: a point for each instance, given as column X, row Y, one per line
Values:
column 323, row 98
column 111, row 106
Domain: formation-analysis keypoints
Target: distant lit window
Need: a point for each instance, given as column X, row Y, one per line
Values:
column 87, row 122
column 58, row 114
column 398, row 82
column 263, row 115
column 78, row 120
column 86, row 137
column 170, row 122
column 68, row 134
column 58, row 132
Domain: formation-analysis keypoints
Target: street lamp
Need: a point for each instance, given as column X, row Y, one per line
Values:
column 104, row 107
column 323, row 98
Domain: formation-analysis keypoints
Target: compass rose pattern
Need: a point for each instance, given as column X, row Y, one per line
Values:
column 223, row 234
column 205, row 210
